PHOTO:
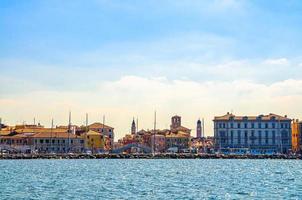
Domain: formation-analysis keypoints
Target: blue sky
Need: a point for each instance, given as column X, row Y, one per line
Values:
column 93, row 49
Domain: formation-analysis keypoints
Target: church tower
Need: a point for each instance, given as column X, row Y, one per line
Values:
column 199, row 129
column 175, row 122
column 133, row 127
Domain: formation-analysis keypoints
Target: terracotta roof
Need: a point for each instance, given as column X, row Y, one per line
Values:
column 268, row 117
column 41, row 130
column 55, row 135
column 92, row 133
column 181, row 128
column 99, row 125
column 4, row 132
column 179, row 134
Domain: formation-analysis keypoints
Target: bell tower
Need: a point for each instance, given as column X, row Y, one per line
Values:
column 175, row 122
column 133, row 127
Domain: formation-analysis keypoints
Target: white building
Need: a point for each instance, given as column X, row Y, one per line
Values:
column 261, row 134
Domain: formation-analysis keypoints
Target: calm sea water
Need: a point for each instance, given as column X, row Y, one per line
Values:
column 150, row 179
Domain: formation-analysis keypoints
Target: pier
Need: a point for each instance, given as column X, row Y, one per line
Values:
column 145, row 156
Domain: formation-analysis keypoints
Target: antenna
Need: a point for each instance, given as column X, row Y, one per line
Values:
column 86, row 128
column 203, row 135
column 51, row 134
column 136, row 124
column 34, row 121
column 153, row 149
column 69, row 129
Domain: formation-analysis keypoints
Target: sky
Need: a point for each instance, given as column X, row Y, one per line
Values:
column 126, row 59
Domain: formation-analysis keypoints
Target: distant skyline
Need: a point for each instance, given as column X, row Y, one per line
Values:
column 126, row 59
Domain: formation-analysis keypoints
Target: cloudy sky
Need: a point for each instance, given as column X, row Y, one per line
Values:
column 125, row 59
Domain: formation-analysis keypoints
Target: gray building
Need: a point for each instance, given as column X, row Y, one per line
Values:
column 257, row 134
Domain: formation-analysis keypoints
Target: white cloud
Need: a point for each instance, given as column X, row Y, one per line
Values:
column 278, row 61
column 132, row 96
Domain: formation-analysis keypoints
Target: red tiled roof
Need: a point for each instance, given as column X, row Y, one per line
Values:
column 99, row 125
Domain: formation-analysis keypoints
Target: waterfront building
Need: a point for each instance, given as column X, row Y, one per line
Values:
column 159, row 143
column 104, row 130
column 179, row 140
column 258, row 134
column 296, row 131
column 95, row 141
column 203, row 145
column 17, row 143
column 300, row 136
column 57, row 142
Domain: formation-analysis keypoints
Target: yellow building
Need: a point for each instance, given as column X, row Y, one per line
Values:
column 94, row 141
column 179, row 139
column 295, row 135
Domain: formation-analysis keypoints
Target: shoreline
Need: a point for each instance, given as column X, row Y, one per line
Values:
column 144, row 156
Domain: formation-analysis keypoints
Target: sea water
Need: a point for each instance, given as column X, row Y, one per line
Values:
column 150, row 179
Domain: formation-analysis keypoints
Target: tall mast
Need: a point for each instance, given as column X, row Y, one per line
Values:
column 103, row 122
column 51, row 134
column 86, row 123
column 153, row 149
column 34, row 121
column 203, row 135
column 136, row 124
column 69, row 130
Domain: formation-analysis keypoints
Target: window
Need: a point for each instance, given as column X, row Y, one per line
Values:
column 238, row 125
column 253, row 136
column 109, row 130
column 232, row 125
column 222, row 134
column 46, row 141
column 259, row 125
column 41, row 141
column 239, row 136
column 232, row 137
column 245, row 125
column 266, row 137
column 253, row 126
column 259, row 137
column 266, row 125
column 273, row 125
column 245, row 137
column 274, row 137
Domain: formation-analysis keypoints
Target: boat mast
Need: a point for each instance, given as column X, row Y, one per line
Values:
column 69, row 130
column 153, row 145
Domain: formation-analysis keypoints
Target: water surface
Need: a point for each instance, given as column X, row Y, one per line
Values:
column 150, row 179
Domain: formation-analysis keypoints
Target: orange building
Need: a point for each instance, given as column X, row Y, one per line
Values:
column 296, row 135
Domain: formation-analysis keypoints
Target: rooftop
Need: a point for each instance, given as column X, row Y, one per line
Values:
column 269, row 117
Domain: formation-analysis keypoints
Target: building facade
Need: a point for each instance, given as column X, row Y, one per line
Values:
column 296, row 131
column 104, row 130
column 57, row 142
column 260, row 134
